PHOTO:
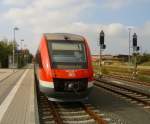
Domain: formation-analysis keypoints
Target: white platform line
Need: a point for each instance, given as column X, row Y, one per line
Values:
column 7, row 101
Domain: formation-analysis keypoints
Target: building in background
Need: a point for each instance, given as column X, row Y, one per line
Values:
column 109, row 59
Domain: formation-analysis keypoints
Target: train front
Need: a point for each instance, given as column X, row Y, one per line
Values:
column 70, row 67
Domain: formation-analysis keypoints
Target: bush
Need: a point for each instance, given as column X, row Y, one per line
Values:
column 143, row 58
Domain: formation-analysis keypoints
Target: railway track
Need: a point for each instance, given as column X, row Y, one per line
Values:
column 67, row 113
column 127, row 79
column 137, row 97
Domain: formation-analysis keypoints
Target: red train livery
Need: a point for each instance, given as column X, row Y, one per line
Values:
column 63, row 67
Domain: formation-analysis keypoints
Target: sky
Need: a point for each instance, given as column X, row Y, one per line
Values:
column 83, row 17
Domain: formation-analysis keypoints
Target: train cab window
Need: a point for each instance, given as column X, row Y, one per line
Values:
column 68, row 54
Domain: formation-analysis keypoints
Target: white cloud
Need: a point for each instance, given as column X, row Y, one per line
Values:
column 51, row 3
column 15, row 2
column 64, row 16
column 119, row 4
column 46, row 16
column 42, row 14
column 115, row 4
column 116, row 36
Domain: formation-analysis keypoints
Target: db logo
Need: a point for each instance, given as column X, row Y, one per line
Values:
column 71, row 74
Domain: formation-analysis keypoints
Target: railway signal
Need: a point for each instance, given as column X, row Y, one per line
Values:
column 134, row 40
column 136, row 48
column 102, row 47
column 101, row 40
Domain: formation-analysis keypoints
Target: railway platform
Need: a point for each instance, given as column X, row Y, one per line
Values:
column 20, row 107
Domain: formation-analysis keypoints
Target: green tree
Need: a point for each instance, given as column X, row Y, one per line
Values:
column 5, row 50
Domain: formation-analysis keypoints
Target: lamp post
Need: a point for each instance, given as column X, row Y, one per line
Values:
column 21, row 53
column 14, row 41
column 25, row 55
column 21, row 43
column 129, row 59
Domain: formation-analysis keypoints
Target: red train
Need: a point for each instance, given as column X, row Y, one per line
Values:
column 63, row 67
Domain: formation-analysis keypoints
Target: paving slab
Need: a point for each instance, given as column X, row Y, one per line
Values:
column 22, row 109
column 4, row 73
column 7, row 84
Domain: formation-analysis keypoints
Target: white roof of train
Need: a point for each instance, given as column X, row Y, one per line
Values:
column 63, row 36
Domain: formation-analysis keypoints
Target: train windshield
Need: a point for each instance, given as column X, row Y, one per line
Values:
column 68, row 54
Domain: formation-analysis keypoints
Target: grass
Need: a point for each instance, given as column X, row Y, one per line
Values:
column 146, row 64
column 144, row 78
column 123, row 70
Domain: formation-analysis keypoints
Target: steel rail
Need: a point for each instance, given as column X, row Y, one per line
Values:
column 96, row 117
column 47, row 112
column 127, row 79
column 56, row 115
column 123, row 87
column 50, row 112
column 146, row 103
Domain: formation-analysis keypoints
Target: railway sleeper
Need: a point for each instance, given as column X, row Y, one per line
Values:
column 92, row 121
